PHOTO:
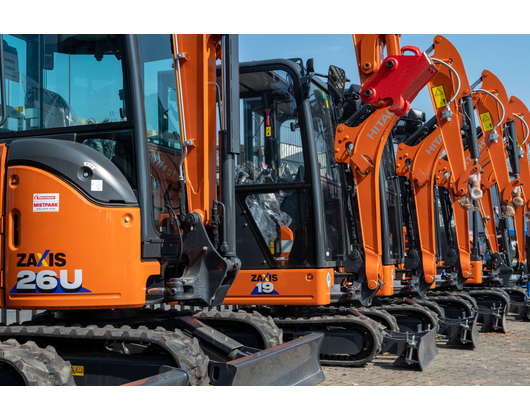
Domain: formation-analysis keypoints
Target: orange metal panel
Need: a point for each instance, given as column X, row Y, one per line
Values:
column 389, row 274
column 281, row 287
column 476, row 273
column 82, row 256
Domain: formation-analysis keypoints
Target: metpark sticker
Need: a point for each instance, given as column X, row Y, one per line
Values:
column 46, row 202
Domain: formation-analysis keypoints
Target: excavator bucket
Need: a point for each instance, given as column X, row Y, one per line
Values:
column 293, row 363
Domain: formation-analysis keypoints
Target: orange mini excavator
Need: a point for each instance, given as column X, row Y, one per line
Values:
column 316, row 214
column 457, row 186
column 108, row 152
column 522, row 115
column 502, row 185
column 416, row 161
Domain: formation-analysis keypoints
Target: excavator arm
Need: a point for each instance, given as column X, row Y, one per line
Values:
column 448, row 90
column 417, row 162
column 494, row 115
column 361, row 147
column 196, row 57
column 522, row 116
column 494, row 110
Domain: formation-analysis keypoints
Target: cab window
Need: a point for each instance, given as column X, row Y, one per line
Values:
column 271, row 149
column 163, row 128
column 63, row 80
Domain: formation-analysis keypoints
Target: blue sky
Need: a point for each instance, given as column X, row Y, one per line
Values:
column 503, row 55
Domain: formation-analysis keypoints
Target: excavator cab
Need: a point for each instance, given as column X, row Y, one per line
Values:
column 288, row 189
column 296, row 213
column 76, row 98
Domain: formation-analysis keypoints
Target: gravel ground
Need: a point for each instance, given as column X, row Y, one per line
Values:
column 500, row 359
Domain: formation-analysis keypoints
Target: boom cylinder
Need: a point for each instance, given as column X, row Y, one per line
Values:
column 469, row 122
column 229, row 146
column 512, row 139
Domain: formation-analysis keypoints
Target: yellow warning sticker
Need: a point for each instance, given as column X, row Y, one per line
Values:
column 268, row 131
column 487, row 123
column 438, row 94
column 78, row 370
column 517, row 140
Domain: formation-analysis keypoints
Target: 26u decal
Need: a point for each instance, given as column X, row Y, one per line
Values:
column 47, row 281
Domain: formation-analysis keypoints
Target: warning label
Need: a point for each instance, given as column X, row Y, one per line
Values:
column 78, row 370
column 438, row 94
column 45, row 202
column 487, row 123
column 268, row 131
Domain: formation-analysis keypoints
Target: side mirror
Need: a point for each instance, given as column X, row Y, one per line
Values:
column 413, row 120
column 336, row 81
column 309, row 66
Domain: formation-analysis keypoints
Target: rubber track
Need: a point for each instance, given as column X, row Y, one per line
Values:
column 265, row 326
column 499, row 293
column 38, row 366
column 517, row 289
column 351, row 322
column 466, row 296
column 469, row 311
column 185, row 351
column 432, row 305
column 389, row 320
column 426, row 314
column 379, row 316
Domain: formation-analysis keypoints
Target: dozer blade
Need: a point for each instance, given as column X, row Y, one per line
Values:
column 417, row 349
column 519, row 302
column 493, row 305
column 293, row 363
column 493, row 319
column 461, row 332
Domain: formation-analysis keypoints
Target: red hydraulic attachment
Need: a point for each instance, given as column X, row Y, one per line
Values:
column 398, row 80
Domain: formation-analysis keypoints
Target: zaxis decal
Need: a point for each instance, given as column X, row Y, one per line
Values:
column 265, row 285
column 46, row 281
column 38, row 260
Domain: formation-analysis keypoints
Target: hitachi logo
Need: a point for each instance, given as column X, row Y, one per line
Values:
column 381, row 122
column 434, row 145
